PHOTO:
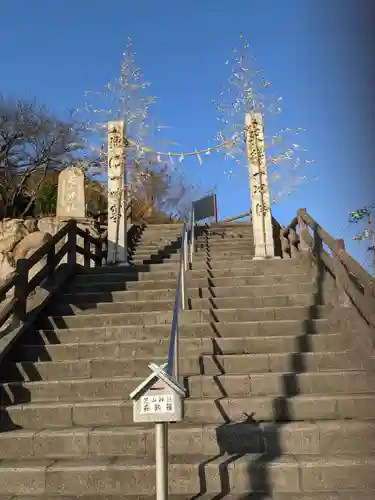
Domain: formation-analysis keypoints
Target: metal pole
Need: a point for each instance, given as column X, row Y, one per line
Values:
column 161, row 457
column 192, row 236
column 186, row 251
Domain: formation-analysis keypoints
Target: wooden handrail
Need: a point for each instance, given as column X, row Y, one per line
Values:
column 351, row 278
column 87, row 236
column 241, row 216
column 19, row 279
column 44, row 249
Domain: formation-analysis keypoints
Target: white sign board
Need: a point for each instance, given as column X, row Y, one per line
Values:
column 157, row 403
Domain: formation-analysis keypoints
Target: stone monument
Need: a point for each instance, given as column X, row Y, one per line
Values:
column 259, row 189
column 71, row 202
column 117, row 222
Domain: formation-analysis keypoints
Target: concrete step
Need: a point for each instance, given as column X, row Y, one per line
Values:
column 219, row 252
column 65, row 308
column 245, row 474
column 165, row 272
column 257, row 267
column 368, row 494
column 114, row 413
column 203, row 242
column 169, row 293
column 201, row 260
column 169, row 271
column 324, row 437
column 105, row 284
column 115, row 387
column 122, row 269
column 236, row 244
column 157, row 253
column 188, row 317
column 188, row 347
column 150, row 269
column 246, row 264
column 228, row 330
column 117, row 366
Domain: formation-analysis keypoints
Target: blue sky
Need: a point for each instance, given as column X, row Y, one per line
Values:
column 57, row 50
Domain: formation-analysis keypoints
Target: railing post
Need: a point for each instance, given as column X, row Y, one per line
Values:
column 99, row 253
column 302, row 227
column 285, row 243
column 87, row 249
column 72, row 244
column 21, row 290
column 342, row 297
column 51, row 264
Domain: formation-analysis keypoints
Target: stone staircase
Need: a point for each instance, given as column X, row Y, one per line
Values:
column 277, row 407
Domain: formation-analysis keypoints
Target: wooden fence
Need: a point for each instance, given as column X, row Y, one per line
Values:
column 53, row 274
column 352, row 281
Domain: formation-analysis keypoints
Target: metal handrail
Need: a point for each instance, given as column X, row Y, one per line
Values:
column 173, row 363
column 173, row 367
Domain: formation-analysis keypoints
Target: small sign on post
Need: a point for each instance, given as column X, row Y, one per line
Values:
column 158, row 399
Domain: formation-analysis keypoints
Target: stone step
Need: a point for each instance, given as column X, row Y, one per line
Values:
column 65, row 308
column 197, row 330
column 194, row 316
column 218, row 252
column 324, row 437
column 113, row 413
column 226, row 243
column 368, row 494
column 202, row 241
column 296, row 438
column 188, row 347
column 241, row 474
column 167, row 256
column 220, row 386
column 200, row 261
column 104, row 284
column 122, row 269
column 84, row 368
column 246, row 264
column 165, row 272
column 160, row 261
column 169, row 271
column 169, row 294
column 129, row 273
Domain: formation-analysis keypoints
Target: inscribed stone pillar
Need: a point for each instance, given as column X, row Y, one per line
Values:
column 71, row 194
column 117, row 224
column 260, row 198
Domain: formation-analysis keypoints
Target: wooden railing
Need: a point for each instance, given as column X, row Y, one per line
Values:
column 63, row 246
column 353, row 282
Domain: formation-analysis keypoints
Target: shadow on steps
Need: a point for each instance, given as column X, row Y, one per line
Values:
column 252, row 436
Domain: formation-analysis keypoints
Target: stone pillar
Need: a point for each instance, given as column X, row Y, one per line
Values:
column 259, row 190
column 117, row 224
column 71, row 202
